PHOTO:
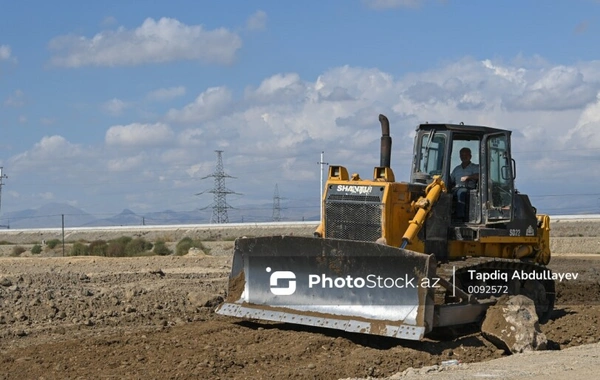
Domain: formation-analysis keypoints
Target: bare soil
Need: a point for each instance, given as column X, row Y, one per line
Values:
column 152, row 317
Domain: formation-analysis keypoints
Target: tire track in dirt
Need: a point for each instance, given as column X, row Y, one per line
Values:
column 123, row 321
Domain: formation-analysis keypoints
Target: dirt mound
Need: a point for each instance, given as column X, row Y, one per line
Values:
column 153, row 317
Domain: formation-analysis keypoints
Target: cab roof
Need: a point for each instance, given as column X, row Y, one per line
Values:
column 460, row 128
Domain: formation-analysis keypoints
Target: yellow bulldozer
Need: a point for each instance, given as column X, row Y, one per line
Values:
column 399, row 259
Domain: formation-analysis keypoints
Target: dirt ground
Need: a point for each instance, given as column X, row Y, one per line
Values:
column 152, row 317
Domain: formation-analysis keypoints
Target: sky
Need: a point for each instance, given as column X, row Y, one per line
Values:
column 114, row 105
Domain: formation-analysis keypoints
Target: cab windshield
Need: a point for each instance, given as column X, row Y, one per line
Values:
column 431, row 158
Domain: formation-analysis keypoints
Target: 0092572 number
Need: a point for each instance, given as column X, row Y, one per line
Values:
column 487, row 289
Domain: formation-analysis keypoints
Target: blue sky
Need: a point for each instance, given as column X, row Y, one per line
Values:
column 121, row 104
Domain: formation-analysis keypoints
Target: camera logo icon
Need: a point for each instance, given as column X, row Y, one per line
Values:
column 288, row 278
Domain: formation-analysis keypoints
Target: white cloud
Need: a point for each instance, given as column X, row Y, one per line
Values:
column 209, row 104
column 279, row 88
column 16, row 99
column 277, row 128
column 136, row 135
column 109, row 20
column 159, row 41
column 192, row 137
column 257, row 21
column 356, row 83
column 286, row 116
column 115, row 107
column 5, row 52
column 291, row 173
column 124, row 164
column 47, row 196
column 585, row 133
column 54, row 144
column 51, row 152
column 558, row 88
column 47, row 121
column 277, row 82
column 390, row 4
column 511, row 74
column 164, row 94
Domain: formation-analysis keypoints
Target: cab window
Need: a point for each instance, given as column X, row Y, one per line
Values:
column 431, row 158
column 500, row 177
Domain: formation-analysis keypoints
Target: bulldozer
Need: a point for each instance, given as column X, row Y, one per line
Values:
column 396, row 259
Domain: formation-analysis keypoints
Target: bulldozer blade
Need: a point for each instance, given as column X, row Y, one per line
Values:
column 347, row 285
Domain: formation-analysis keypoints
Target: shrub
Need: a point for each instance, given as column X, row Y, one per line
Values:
column 123, row 240
column 79, row 249
column 17, row 250
column 36, row 249
column 137, row 246
column 115, row 249
column 118, row 247
column 53, row 243
column 184, row 245
column 121, row 247
column 98, row 248
column 160, row 248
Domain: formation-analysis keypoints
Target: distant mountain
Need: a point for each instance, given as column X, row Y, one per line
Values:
column 51, row 216
column 176, row 217
column 48, row 216
column 125, row 218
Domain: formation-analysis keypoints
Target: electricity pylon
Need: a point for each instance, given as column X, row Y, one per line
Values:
column 276, row 205
column 220, row 205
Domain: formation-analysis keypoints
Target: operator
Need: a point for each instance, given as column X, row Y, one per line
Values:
column 463, row 178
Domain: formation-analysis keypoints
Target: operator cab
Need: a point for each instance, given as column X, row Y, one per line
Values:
column 487, row 197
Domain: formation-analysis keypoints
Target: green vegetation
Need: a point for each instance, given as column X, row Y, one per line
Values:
column 161, row 249
column 98, row 248
column 17, row 250
column 124, row 246
column 232, row 238
column 116, row 247
column 79, row 249
column 53, row 243
column 184, row 245
column 137, row 246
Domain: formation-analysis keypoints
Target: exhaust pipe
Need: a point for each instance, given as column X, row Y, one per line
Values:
column 386, row 142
